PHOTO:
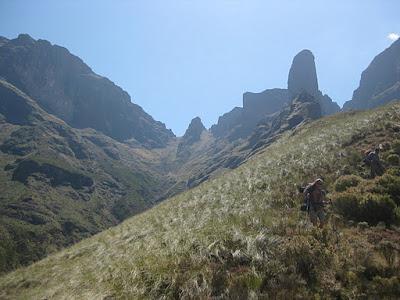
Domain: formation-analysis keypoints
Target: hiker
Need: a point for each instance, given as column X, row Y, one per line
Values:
column 373, row 161
column 315, row 197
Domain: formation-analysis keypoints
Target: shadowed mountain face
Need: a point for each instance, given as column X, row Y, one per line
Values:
column 304, row 108
column 65, row 86
column 303, row 78
column 303, row 75
column 240, row 122
column 193, row 132
column 380, row 82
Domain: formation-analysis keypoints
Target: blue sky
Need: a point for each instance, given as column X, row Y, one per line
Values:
column 181, row 59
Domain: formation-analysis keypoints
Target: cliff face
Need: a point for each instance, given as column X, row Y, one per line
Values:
column 303, row 78
column 304, row 108
column 303, row 75
column 65, row 86
column 240, row 122
column 258, row 107
column 380, row 82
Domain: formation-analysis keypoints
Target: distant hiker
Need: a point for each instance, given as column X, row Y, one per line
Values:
column 314, row 196
column 373, row 161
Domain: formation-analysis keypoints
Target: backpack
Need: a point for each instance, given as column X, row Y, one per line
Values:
column 367, row 158
column 306, row 191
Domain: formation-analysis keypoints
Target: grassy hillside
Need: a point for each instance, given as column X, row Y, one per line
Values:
column 59, row 184
column 241, row 235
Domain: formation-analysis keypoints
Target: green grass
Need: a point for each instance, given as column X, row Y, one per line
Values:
column 38, row 216
column 239, row 235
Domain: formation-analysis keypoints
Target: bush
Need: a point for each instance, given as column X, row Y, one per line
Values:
column 393, row 159
column 377, row 208
column 347, row 204
column 394, row 171
column 396, row 147
column 371, row 208
column 346, row 181
column 354, row 157
column 389, row 184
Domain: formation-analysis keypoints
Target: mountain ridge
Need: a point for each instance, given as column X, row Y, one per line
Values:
column 380, row 81
column 66, row 87
column 61, row 184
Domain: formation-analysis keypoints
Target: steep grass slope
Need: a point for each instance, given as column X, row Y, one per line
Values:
column 240, row 235
column 59, row 185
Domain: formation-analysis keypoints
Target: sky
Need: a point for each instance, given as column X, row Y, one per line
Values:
column 179, row 59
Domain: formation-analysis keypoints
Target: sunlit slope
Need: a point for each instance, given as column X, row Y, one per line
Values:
column 239, row 235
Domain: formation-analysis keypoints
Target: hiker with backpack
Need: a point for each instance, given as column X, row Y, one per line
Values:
column 314, row 197
column 373, row 161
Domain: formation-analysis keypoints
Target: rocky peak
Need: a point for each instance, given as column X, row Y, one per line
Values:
column 24, row 39
column 303, row 74
column 191, row 136
column 380, row 81
column 63, row 85
column 302, row 109
column 194, row 131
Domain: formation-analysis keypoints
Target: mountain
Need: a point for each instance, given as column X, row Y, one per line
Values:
column 193, row 132
column 304, row 108
column 242, row 235
column 60, row 184
column 240, row 122
column 380, row 82
column 303, row 75
column 242, row 132
column 259, row 107
column 303, row 78
column 66, row 87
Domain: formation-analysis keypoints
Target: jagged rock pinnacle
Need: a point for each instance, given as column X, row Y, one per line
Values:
column 303, row 75
column 194, row 131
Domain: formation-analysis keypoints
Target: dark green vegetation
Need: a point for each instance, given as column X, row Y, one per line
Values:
column 362, row 199
column 242, row 235
column 59, row 184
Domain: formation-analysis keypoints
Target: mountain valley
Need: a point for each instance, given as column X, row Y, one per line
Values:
column 99, row 200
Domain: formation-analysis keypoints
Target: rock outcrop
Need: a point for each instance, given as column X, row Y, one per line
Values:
column 304, row 108
column 193, row 132
column 303, row 78
column 380, row 82
column 260, row 107
column 227, row 122
column 65, row 86
column 240, row 122
column 303, row 75
column 191, row 136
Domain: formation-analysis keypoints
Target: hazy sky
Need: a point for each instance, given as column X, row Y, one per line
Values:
column 181, row 59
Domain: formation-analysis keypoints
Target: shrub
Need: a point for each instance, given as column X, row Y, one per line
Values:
column 389, row 184
column 346, row 181
column 387, row 287
column 347, row 204
column 394, row 171
column 371, row 208
column 354, row 157
column 377, row 208
column 396, row 147
column 393, row 159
